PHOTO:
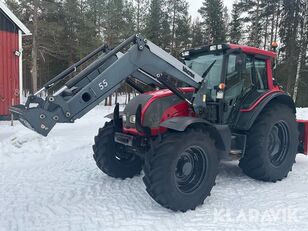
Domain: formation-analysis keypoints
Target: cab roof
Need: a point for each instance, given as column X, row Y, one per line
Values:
column 253, row 50
column 224, row 47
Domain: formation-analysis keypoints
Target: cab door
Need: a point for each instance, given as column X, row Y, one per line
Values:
column 237, row 82
column 246, row 81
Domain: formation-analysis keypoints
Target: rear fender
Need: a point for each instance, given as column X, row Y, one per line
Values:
column 247, row 116
column 303, row 136
column 220, row 133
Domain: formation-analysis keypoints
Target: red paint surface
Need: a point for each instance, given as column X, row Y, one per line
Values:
column 162, row 94
column 177, row 110
column 9, row 71
column 254, row 50
column 305, row 135
column 166, row 92
column 269, row 72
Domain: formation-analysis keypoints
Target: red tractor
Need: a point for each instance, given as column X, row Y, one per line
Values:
column 217, row 102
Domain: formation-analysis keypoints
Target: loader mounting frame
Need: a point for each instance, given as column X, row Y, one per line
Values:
column 143, row 61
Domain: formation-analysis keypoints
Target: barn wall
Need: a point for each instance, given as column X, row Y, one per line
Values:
column 9, row 64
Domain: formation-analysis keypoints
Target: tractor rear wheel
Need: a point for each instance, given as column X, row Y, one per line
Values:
column 271, row 144
column 111, row 158
column 181, row 172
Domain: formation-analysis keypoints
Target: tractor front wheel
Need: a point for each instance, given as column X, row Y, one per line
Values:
column 111, row 157
column 271, row 144
column 181, row 172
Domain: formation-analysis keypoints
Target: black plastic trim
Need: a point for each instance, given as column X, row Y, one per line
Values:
column 245, row 120
column 221, row 133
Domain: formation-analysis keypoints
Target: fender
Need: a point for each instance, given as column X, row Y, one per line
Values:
column 247, row 116
column 221, row 133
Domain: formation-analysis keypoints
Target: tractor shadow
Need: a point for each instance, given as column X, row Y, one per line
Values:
column 230, row 169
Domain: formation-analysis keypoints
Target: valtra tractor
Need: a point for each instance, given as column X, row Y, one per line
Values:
column 215, row 102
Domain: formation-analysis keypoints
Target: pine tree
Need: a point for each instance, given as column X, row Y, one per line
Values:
column 177, row 11
column 95, row 14
column 34, row 69
column 166, row 36
column 44, row 49
column 289, row 34
column 273, row 8
column 235, row 25
column 212, row 14
column 113, row 22
column 182, row 35
column 129, row 19
column 197, row 34
column 72, row 21
column 255, row 28
column 154, row 18
column 141, row 9
column 226, row 18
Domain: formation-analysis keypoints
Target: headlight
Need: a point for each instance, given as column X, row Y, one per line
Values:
column 132, row 119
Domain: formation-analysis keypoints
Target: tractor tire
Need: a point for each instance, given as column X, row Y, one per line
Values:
column 181, row 171
column 271, row 144
column 111, row 159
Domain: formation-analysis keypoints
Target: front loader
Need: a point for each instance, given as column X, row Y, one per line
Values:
column 216, row 102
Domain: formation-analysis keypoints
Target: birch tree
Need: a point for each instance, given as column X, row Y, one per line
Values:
column 303, row 49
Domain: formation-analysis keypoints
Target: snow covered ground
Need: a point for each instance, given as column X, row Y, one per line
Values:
column 53, row 184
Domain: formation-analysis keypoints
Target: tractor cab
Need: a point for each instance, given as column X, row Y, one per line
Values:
column 234, row 75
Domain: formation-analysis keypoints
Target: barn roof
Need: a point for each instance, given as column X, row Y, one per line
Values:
column 15, row 20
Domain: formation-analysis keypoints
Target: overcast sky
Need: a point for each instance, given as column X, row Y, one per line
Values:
column 194, row 5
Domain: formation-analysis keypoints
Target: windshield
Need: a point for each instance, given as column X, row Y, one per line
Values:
column 201, row 63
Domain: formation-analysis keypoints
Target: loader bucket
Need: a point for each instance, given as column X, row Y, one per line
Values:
column 32, row 118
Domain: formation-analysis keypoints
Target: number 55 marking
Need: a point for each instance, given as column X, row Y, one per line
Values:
column 103, row 85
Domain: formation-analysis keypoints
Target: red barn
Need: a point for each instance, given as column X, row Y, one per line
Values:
column 11, row 31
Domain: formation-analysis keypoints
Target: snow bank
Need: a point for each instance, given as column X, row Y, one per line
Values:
column 302, row 113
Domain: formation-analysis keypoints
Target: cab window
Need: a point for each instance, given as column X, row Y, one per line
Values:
column 234, row 83
column 261, row 74
column 247, row 73
column 255, row 73
column 233, row 76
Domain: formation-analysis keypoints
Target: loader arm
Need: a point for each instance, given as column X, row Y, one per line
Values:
column 142, row 60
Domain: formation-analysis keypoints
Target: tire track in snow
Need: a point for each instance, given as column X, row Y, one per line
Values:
column 87, row 197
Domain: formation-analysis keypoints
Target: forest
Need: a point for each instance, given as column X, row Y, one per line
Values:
column 64, row 31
